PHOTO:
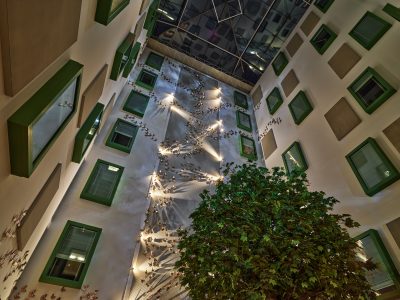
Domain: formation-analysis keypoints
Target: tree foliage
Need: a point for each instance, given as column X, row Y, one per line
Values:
column 264, row 235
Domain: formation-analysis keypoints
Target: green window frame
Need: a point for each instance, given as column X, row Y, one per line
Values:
column 368, row 34
column 247, row 147
column 323, row 38
column 151, row 17
column 122, row 55
column 107, row 10
column 300, row 107
column 294, row 159
column 274, row 100
column 240, row 100
column 146, row 79
column 87, row 133
column 155, row 61
column 59, row 95
column 370, row 90
column 103, row 182
column 392, row 11
column 131, row 60
column 243, row 121
column 136, row 103
column 279, row 63
column 122, row 136
column 369, row 159
column 77, row 260
column 385, row 279
column 323, row 5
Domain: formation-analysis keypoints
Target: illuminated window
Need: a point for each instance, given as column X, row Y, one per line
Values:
column 70, row 259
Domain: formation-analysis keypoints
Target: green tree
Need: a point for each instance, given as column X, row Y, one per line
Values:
column 264, row 235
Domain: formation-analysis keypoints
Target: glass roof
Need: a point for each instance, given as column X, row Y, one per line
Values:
column 238, row 37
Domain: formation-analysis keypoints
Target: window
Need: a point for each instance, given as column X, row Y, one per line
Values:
column 392, row 10
column 34, row 127
column 371, row 90
column 146, row 79
column 372, row 168
column 369, row 30
column 131, row 59
column 102, row 183
column 279, row 63
column 243, row 121
column 293, row 158
column 155, row 61
column 385, row 278
column 300, row 107
column 136, row 103
column 87, row 132
column 247, row 148
column 323, row 39
column 274, row 101
column 151, row 17
column 70, row 259
column 107, row 10
column 122, row 56
column 122, row 136
column 240, row 100
column 323, row 5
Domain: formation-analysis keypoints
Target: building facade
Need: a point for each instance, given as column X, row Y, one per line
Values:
column 109, row 136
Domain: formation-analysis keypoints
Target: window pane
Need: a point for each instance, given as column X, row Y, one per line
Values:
column 147, row 78
column 124, row 133
column 378, row 278
column 294, row 159
column 248, row 147
column 370, row 166
column 71, row 256
column 370, row 91
column 136, row 103
column 240, row 99
column 300, row 107
column 102, row 183
column 369, row 28
column 273, row 100
column 115, row 4
column 48, row 124
column 244, row 119
column 92, row 132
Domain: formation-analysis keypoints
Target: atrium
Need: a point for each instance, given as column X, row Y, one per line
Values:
column 117, row 114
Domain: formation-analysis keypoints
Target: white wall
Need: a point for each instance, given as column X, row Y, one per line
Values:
column 328, row 168
column 96, row 46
